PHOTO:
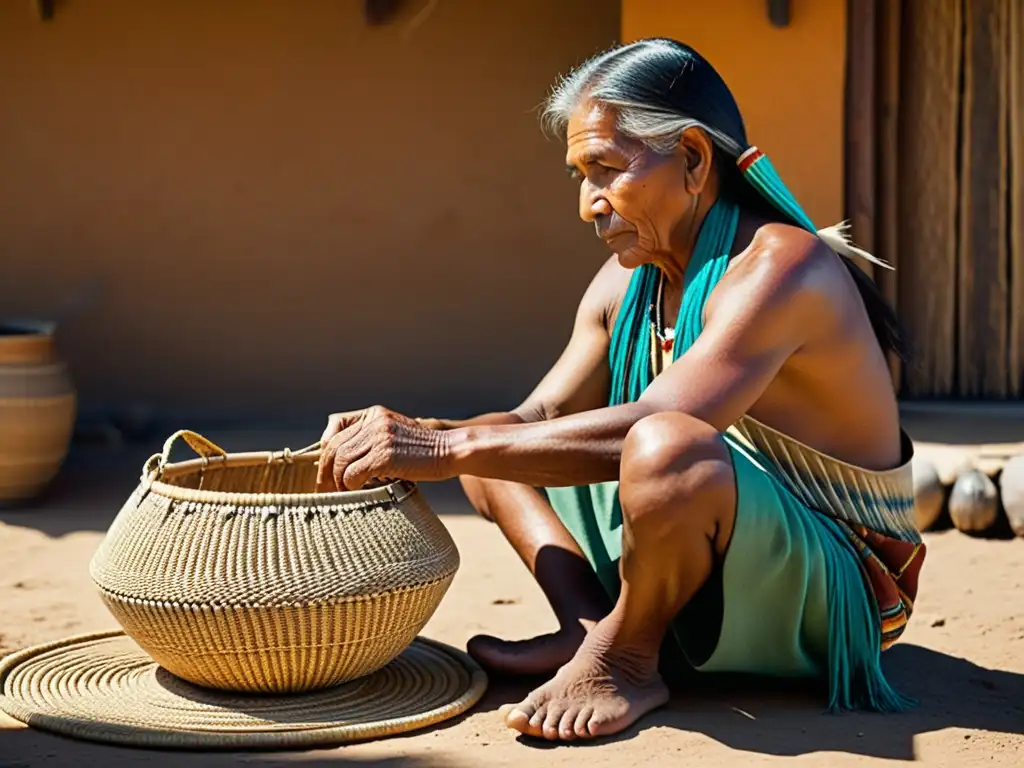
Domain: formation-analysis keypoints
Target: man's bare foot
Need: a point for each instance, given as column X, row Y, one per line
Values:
column 541, row 655
column 604, row 689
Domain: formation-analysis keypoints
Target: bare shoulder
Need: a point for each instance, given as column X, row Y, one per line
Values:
column 604, row 294
column 787, row 271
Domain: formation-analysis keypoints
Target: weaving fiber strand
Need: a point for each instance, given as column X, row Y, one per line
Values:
column 231, row 578
column 102, row 687
column 255, row 614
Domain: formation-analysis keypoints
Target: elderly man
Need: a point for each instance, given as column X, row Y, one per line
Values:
column 713, row 476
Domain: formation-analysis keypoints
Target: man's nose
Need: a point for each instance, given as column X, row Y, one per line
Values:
column 592, row 203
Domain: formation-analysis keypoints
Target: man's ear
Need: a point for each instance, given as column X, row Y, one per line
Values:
column 698, row 156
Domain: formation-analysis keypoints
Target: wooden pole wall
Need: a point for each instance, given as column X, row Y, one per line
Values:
column 1016, row 185
column 935, row 184
column 887, row 94
column 928, row 170
column 983, row 270
column 860, row 151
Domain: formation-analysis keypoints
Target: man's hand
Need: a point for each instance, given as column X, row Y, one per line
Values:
column 359, row 446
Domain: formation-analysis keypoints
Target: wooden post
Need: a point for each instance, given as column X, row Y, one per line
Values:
column 1015, row 362
column 860, row 125
column 928, row 195
column 983, row 311
column 887, row 104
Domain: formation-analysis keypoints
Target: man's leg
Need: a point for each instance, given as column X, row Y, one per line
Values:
column 678, row 496
column 556, row 562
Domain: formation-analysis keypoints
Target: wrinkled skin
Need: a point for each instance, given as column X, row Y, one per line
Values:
column 786, row 339
column 376, row 443
column 644, row 205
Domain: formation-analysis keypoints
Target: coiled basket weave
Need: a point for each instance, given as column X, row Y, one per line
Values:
column 233, row 575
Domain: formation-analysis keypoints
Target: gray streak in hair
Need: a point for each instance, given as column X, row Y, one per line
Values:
column 613, row 87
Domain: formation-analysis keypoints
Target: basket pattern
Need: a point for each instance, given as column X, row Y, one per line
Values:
column 231, row 578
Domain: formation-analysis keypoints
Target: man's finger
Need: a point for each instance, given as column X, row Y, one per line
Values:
column 325, row 468
column 329, row 456
column 349, row 451
column 336, row 422
column 359, row 473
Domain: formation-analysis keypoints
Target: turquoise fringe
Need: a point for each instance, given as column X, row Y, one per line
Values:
column 628, row 356
column 855, row 676
column 856, row 680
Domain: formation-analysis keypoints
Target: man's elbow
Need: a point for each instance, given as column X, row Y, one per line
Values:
column 531, row 413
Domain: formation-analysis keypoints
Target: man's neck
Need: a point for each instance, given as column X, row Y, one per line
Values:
column 674, row 265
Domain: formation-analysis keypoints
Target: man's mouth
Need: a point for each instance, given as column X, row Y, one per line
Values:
column 612, row 227
column 610, row 237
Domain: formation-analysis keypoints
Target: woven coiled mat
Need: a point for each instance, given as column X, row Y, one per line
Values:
column 103, row 687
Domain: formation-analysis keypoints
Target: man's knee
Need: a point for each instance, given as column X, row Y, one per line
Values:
column 675, row 469
column 475, row 489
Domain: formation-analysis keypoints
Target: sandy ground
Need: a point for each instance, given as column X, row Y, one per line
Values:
column 962, row 657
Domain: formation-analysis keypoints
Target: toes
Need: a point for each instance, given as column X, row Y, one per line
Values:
column 605, row 724
column 552, row 721
column 527, row 717
column 519, row 716
column 536, row 724
column 582, row 722
column 518, row 720
column 567, row 725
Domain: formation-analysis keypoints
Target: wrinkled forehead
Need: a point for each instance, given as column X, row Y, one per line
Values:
column 592, row 128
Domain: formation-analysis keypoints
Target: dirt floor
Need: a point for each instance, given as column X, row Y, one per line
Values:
column 962, row 657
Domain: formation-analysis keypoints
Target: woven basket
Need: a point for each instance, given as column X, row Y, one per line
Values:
column 232, row 575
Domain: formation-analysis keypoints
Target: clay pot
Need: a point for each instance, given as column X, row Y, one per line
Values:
column 37, row 410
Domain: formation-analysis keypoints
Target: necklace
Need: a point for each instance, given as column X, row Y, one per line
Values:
column 666, row 336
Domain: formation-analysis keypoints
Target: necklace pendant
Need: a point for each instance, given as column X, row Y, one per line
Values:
column 666, row 344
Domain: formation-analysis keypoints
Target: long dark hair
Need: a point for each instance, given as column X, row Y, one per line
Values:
column 658, row 88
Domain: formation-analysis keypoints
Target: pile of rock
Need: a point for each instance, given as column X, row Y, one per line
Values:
column 984, row 495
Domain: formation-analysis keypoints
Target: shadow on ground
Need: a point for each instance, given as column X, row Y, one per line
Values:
column 752, row 717
column 759, row 718
column 25, row 748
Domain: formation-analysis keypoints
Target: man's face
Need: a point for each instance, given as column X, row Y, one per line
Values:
column 640, row 202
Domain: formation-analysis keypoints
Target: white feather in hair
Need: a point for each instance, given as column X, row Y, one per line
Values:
column 836, row 238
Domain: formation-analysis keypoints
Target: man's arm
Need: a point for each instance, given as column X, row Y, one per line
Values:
column 755, row 326
column 358, row 444
column 579, row 379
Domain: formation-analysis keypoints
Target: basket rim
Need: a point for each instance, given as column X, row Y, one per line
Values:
column 392, row 492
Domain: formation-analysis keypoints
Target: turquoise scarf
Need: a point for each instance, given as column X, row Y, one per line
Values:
column 855, row 674
column 628, row 358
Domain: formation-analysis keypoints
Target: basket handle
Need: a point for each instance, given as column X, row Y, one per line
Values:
column 204, row 447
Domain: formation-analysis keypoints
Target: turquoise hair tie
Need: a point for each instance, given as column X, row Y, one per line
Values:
column 759, row 172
